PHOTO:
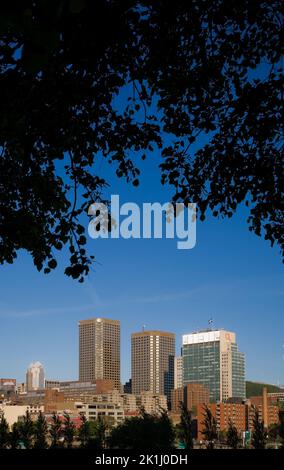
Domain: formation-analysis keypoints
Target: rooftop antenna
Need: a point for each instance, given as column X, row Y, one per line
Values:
column 210, row 323
column 143, row 327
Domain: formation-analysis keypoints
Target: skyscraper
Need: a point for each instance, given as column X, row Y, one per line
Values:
column 35, row 377
column 99, row 350
column 153, row 362
column 178, row 382
column 212, row 358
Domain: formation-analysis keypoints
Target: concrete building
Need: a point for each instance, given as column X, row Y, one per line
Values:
column 99, row 350
column 152, row 362
column 21, row 388
column 178, row 377
column 7, row 388
column 111, row 413
column 73, row 390
column 151, row 402
column 13, row 413
column 49, row 384
column 35, row 377
column 212, row 358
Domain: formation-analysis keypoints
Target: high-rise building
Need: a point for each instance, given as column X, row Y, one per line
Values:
column 212, row 358
column 178, row 377
column 153, row 362
column 35, row 377
column 99, row 350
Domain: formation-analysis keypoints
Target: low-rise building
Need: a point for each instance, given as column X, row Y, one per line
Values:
column 151, row 402
column 111, row 413
column 12, row 413
column 223, row 413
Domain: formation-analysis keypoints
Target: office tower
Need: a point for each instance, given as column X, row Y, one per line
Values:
column 99, row 350
column 153, row 362
column 211, row 357
column 178, row 377
column 35, row 377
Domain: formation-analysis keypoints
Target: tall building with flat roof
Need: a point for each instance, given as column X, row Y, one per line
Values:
column 178, row 381
column 152, row 362
column 99, row 350
column 212, row 358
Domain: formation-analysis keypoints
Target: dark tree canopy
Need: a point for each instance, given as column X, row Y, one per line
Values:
column 202, row 74
column 147, row 431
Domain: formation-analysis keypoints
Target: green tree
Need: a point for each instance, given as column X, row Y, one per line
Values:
column 4, row 432
column 55, row 430
column 209, row 428
column 40, row 429
column 211, row 108
column 232, row 435
column 14, row 436
column 84, row 432
column 99, row 428
column 26, row 428
column 185, row 427
column 143, row 432
column 259, row 433
column 281, row 426
column 69, row 430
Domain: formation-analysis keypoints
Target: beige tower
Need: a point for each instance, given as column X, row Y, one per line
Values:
column 152, row 362
column 99, row 350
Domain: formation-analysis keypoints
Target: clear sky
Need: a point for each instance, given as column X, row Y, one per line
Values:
column 231, row 275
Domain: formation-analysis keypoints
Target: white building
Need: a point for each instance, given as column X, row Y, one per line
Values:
column 110, row 412
column 178, row 377
column 35, row 377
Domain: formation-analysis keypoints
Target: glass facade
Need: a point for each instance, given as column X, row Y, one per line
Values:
column 201, row 364
column 238, row 373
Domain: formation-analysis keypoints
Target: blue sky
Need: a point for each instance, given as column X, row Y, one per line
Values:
column 231, row 275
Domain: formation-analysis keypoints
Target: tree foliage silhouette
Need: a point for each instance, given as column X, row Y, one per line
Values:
column 4, row 432
column 209, row 428
column 185, row 427
column 14, row 436
column 55, row 431
column 281, row 426
column 202, row 84
column 84, row 432
column 143, row 432
column 40, row 432
column 232, row 435
column 26, row 430
column 69, row 430
column 259, row 433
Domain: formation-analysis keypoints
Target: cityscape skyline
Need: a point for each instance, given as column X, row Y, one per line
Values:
column 125, row 376
column 111, row 329
column 230, row 275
